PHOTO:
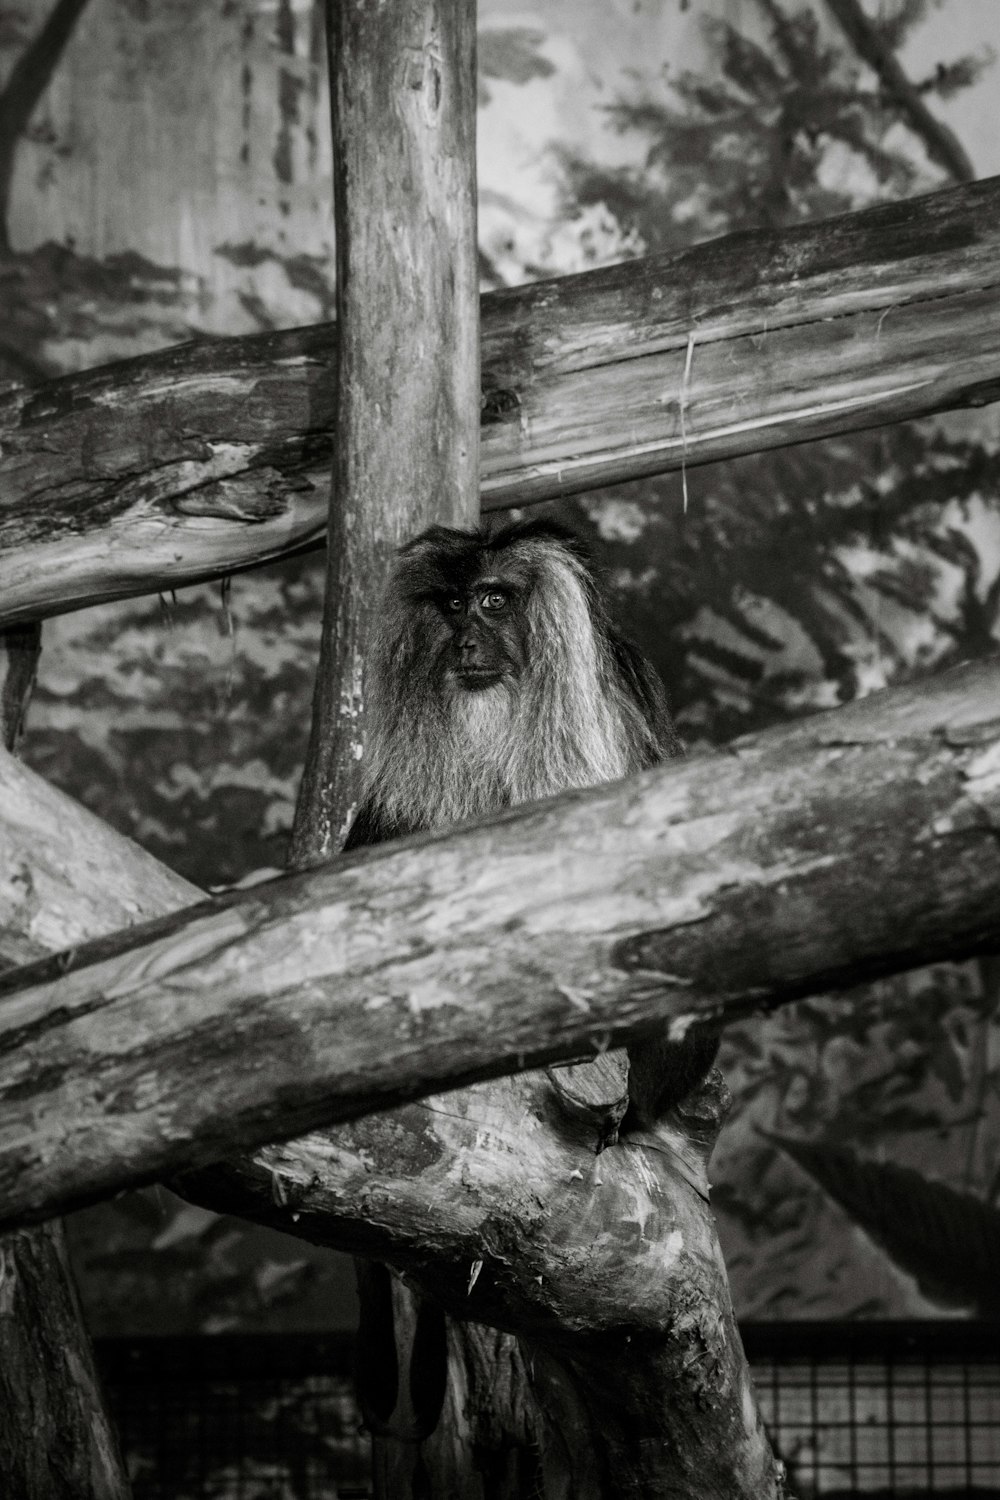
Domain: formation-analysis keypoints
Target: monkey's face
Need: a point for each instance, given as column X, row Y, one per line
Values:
column 486, row 637
column 465, row 604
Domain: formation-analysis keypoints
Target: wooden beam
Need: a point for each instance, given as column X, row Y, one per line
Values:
column 215, row 456
column 56, row 1436
column 406, row 428
column 856, row 843
column 388, row 1186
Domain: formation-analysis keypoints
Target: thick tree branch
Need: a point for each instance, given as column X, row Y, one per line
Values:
column 856, row 843
column 943, row 146
column 606, row 1267
column 215, row 456
column 406, row 454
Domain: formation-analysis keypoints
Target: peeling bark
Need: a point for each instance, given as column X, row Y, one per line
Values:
column 406, row 432
column 212, row 457
column 57, row 1440
column 606, row 1265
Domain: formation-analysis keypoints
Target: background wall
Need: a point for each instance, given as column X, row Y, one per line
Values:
column 174, row 182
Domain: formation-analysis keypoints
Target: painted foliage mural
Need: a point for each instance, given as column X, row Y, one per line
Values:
column 164, row 176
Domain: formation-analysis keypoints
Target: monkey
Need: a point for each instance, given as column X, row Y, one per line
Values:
column 495, row 678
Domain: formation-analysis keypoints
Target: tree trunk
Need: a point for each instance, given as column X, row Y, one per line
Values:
column 406, row 454
column 443, row 1186
column 57, row 1441
column 211, row 457
column 406, row 415
column 605, row 1267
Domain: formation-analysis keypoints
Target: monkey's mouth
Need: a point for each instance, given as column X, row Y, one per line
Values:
column 475, row 679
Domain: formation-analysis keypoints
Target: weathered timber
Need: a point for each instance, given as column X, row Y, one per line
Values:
column 387, row 1187
column 406, row 454
column 66, row 876
column 860, row 842
column 406, row 428
column 56, row 1437
column 607, row 1267
column 215, row 456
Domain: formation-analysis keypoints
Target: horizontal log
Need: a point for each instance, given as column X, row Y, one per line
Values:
column 857, row 843
column 215, row 456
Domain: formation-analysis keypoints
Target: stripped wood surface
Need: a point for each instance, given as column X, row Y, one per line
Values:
column 215, row 456
column 860, row 842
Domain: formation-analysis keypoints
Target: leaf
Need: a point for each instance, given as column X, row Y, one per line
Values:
column 189, row 1222
column 948, row 1241
column 513, row 54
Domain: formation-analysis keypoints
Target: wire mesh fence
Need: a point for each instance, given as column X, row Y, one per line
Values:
column 877, row 1410
column 882, row 1409
column 238, row 1417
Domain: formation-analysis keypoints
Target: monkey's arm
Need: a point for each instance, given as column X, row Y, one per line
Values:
column 372, row 826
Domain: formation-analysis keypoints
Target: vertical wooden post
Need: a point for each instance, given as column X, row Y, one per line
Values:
column 403, row 90
column 406, row 443
column 56, row 1437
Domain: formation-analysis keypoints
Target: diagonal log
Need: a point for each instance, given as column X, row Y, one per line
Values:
column 855, row 843
column 211, row 457
column 55, row 1432
column 492, row 1240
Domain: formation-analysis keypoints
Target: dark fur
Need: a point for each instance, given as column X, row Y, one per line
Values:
column 472, row 709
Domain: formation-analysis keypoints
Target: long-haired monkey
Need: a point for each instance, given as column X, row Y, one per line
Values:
column 496, row 678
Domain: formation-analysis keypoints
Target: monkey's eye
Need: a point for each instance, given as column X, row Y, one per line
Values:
column 494, row 600
column 452, row 604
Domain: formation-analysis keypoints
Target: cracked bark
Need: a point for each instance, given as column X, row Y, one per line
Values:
column 212, row 457
column 858, row 842
column 57, row 1440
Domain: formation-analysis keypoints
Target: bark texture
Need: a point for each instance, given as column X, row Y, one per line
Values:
column 20, row 647
column 606, row 1266
column 406, row 432
column 532, row 1229
column 406, row 454
column 856, row 843
column 57, row 1441
column 393, row 1186
column 211, row 457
